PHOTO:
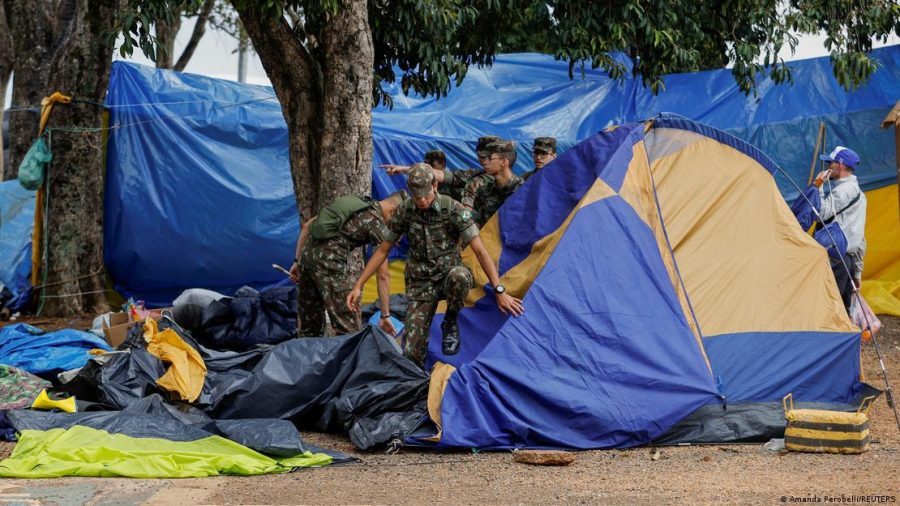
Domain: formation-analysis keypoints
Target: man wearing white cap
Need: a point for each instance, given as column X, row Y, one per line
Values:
column 845, row 204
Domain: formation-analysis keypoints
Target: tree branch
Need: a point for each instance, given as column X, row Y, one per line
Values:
column 196, row 35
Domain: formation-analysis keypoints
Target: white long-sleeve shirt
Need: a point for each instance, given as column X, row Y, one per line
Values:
column 853, row 219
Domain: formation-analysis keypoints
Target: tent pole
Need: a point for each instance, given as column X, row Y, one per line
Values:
column 815, row 158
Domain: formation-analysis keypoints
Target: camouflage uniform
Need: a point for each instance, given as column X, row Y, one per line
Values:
column 543, row 145
column 455, row 181
column 326, row 277
column 484, row 196
column 482, row 193
column 434, row 268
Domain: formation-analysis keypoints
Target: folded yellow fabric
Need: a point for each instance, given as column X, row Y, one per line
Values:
column 187, row 373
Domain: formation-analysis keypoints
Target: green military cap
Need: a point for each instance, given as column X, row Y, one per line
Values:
column 420, row 179
column 500, row 146
column 435, row 154
column 483, row 142
column 544, row 144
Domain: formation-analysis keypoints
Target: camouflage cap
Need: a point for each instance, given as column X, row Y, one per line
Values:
column 500, row 146
column 420, row 179
column 435, row 154
column 544, row 144
column 483, row 142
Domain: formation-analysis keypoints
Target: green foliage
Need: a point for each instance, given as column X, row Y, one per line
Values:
column 429, row 44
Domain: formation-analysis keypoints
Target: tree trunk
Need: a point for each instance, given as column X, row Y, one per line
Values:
column 80, row 67
column 346, row 145
column 7, row 59
column 32, row 28
column 297, row 83
column 166, row 33
column 326, row 101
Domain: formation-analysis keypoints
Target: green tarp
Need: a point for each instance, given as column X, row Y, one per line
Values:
column 82, row 451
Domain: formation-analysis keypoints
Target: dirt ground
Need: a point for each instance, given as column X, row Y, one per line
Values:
column 691, row 474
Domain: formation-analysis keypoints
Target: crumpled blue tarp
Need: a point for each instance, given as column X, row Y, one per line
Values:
column 16, row 222
column 38, row 352
column 189, row 148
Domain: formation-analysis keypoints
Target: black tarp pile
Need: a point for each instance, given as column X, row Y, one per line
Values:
column 254, row 394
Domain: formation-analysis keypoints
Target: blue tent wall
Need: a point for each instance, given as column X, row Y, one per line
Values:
column 199, row 193
column 198, row 187
column 16, row 222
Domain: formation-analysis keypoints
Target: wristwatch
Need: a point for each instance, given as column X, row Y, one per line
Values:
column 385, row 316
column 499, row 289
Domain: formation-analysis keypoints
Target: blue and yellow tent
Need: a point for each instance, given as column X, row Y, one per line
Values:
column 662, row 273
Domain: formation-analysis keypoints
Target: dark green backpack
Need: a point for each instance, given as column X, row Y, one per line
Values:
column 330, row 220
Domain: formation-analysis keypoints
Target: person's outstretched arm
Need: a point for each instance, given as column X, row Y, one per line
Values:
column 506, row 302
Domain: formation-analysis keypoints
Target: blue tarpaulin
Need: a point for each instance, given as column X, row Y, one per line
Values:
column 39, row 352
column 199, row 193
column 16, row 222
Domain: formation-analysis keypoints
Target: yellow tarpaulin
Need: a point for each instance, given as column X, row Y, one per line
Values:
column 881, row 273
column 188, row 372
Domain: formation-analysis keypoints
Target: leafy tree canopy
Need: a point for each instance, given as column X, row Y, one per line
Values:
column 429, row 44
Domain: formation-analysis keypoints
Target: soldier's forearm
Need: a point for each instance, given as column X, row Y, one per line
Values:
column 304, row 234
column 384, row 288
column 487, row 263
column 378, row 257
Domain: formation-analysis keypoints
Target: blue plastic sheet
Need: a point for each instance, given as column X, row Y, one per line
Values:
column 16, row 222
column 199, row 192
column 39, row 352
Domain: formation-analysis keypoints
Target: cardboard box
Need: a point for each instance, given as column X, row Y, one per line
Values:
column 119, row 326
column 117, row 330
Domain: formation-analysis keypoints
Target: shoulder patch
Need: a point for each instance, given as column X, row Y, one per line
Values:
column 466, row 215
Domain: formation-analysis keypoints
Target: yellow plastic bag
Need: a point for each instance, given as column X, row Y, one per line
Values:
column 187, row 373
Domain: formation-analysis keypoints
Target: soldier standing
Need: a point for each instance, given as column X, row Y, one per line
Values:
column 486, row 192
column 322, row 270
column 437, row 227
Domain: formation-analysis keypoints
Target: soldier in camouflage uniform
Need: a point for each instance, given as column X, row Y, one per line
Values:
column 437, row 159
column 450, row 182
column 486, row 192
column 543, row 152
column 322, row 271
column 437, row 227
column 453, row 183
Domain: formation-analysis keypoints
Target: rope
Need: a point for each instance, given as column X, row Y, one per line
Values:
column 403, row 464
column 82, row 129
column 36, row 107
column 70, row 295
column 44, row 235
column 97, row 273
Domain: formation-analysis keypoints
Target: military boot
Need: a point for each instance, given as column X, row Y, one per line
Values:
column 450, row 342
